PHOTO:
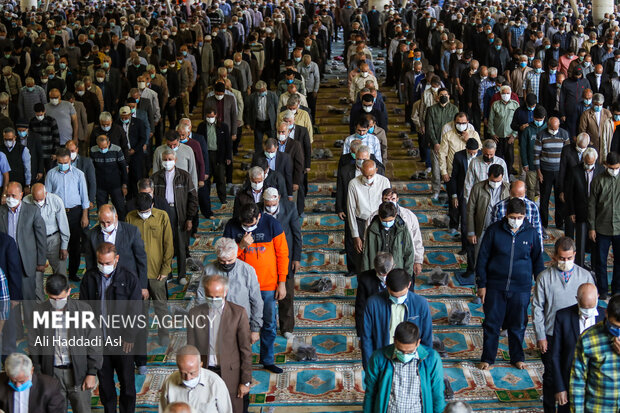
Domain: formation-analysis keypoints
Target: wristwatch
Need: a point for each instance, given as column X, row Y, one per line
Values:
column 248, row 384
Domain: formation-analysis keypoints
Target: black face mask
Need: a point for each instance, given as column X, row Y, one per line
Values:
column 227, row 267
column 487, row 158
column 443, row 99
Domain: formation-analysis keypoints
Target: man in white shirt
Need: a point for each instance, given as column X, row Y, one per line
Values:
column 364, row 197
column 478, row 169
column 202, row 389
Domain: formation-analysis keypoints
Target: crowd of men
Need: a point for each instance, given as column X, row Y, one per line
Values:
column 509, row 102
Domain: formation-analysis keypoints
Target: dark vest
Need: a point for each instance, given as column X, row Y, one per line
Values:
column 18, row 170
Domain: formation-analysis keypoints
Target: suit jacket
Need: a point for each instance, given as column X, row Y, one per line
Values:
column 244, row 196
column 283, row 165
column 234, row 342
column 588, row 124
column 129, row 246
column 31, row 236
column 459, row 170
column 137, row 134
column 251, row 109
column 568, row 159
column 576, row 191
column 294, row 150
column 36, row 154
column 46, row 396
column 229, row 111
column 224, row 143
column 288, row 217
column 565, row 336
column 605, row 89
column 147, row 106
column 368, row 284
column 300, row 134
column 11, row 265
column 85, row 165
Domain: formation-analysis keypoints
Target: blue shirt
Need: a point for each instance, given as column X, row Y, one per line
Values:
column 70, row 186
column 4, row 167
column 272, row 163
column 13, row 219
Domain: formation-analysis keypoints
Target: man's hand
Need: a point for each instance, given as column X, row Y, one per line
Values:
column 495, row 138
column 421, row 129
column 124, row 190
column 436, row 148
column 573, row 218
column 63, row 255
column 127, row 347
column 482, row 292
column 206, row 177
column 615, row 345
column 162, row 277
column 592, row 234
column 228, row 161
column 561, row 398
column 540, row 176
column 233, row 137
column 417, row 268
column 511, row 140
column 188, row 225
column 359, row 245
column 295, row 187
column 132, row 151
column 38, row 177
column 562, row 196
column 201, row 184
column 524, row 126
column 89, row 382
column 542, row 346
column 27, row 190
column 526, row 168
column 296, row 266
column 84, row 221
column 472, row 239
column 445, row 177
column 246, row 241
column 254, row 336
column 455, row 203
column 281, row 291
column 145, row 294
column 243, row 390
column 465, row 135
column 91, row 205
column 342, row 215
column 40, row 268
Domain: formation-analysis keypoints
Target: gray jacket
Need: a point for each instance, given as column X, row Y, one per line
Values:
column 243, row 290
column 551, row 294
column 31, row 236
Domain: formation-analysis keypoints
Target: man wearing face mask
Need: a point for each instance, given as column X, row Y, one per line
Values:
column 278, row 161
column 286, row 214
column 592, row 122
column 387, row 309
column 499, row 126
column 263, row 245
column 569, row 323
column 406, row 375
column 47, row 128
column 366, row 106
column 75, row 368
column 556, row 288
column 294, row 150
column 510, row 254
column 156, row 232
column 604, row 194
column 114, row 290
column 370, row 283
column 111, row 172
column 21, row 386
column 547, row 151
column 195, row 384
column 243, row 287
column 478, row 168
column 84, row 164
column 18, row 157
column 183, row 154
column 589, row 388
column 177, row 187
column 570, row 95
column 369, row 140
column 226, row 107
column 114, row 132
column 65, row 116
column 29, row 95
column 262, row 112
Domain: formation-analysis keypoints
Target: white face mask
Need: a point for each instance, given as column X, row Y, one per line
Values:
column 382, row 278
column 191, row 383
column 460, row 127
column 12, row 202
column 40, row 117
column 249, row 229
column 141, row 85
column 211, row 120
column 271, row 208
column 257, row 186
column 168, row 165
column 281, row 137
column 40, row 203
column 553, row 132
column 54, row 101
column 369, row 181
column 367, row 109
column 73, row 156
column 109, row 228
column 566, row 265
column 364, row 74
column 105, row 269
column 219, row 97
column 588, row 312
column 145, row 215
column 515, row 223
column 588, row 167
column 58, row 304
column 505, row 97
column 495, row 185
column 613, row 172
column 580, row 149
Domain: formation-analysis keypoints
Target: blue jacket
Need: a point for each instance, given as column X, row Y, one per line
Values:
column 379, row 380
column 507, row 261
column 377, row 315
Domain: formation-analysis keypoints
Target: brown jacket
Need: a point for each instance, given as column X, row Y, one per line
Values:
column 185, row 196
column 588, row 124
column 234, row 343
column 479, row 199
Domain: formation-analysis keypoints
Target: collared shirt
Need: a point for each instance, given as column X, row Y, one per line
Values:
column 478, row 171
column 363, row 200
column 398, row 316
column 495, row 198
column 215, row 316
column 261, row 113
column 597, row 115
column 105, row 283
column 70, row 186
column 55, row 217
column 586, row 322
column 272, row 163
column 210, row 395
column 589, row 176
column 4, row 167
column 61, row 352
column 406, row 391
column 126, row 129
column 282, row 146
column 20, row 401
column 211, row 138
column 170, row 185
column 109, row 236
column 369, row 140
column 258, row 195
column 13, row 221
column 532, row 83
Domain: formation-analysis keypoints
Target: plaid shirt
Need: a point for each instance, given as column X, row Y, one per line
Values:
column 532, row 84
column 484, row 85
column 4, row 296
column 406, row 394
column 517, row 35
column 531, row 214
column 595, row 377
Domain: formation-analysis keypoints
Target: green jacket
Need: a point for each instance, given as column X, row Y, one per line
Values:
column 401, row 246
column 500, row 118
column 526, row 144
column 436, row 117
column 379, row 380
column 478, row 203
column 604, row 205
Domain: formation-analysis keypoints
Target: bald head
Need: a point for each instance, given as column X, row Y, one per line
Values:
column 178, row 407
column 38, row 192
column 517, row 189
column 369, row 168
column 587, row 295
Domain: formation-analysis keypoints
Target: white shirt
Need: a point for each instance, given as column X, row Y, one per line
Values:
column 210, row 395
column 363, row 200
column 598, row 117
column 589, row 176
column 586, row 323
column 170, row 186
column 109, row 237
column 20, row 401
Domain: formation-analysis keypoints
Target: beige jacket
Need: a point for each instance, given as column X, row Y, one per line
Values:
column 358, row 83
column 451, row 143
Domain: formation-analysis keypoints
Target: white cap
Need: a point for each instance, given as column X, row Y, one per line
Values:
column 270, row 194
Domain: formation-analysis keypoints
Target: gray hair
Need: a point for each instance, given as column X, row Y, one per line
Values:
column 255, row 172
column 582, row 136
column 226, row 247
column 492, row 71
column 207, row 279
column 458, row 407
column 105, row 116
column 288, row 114
column 260, row 85
column 590, row 153
column 293, row 101
column 384, row 262
column 111, row 207
column 169, row 151
column 17, row 364
column 489, row 144
column 78, row 84
column 505, row 87
column 188, row 350
column 270, row 194
column 179, row 407
column 598, row 98
column 363, row 148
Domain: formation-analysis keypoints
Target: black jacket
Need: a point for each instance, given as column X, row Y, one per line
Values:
column 137, row 134
column 605, row 89
column 576, row 191
column 294, row 150
column 565, row 336
column 346, row 172
column 224, row 143
column 357, row 113
column 85, row 165
column 244, row 196
column 368, row 284
column 301, row 135
column 11, row 265
column 33, row 144
column 568, row 159
column 116, row 135
column 459, row 170
column 289, row 219
column 283, row 165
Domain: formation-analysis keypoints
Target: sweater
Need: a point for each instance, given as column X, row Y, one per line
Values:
column 110, row 167
column 548, row 149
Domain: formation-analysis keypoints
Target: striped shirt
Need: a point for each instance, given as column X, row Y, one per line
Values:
column 48, row 131
column 595, row 376
column 548, row 149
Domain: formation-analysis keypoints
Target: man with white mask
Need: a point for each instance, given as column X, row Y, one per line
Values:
column 556, row 288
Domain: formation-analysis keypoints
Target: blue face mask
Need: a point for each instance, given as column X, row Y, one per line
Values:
column 553, row 71
column 289, row 81
column 106, row 128
column 22, row 387
column 491, row 40
column 125, row 121
column 523, row 64
column 538, row 70
column 63, row 167
column 405, row 358
column 22, row 133
column 598, row 108
column 539, row 123
column 270, row 155
column 184, row 140
column 105, row 150
column 388, row 224
column 587, row 102
column 398, row 300
column 531, row 109
column 498, row 47
column 361, row 136
column 371, row 130
column 263, row 94
column 613, row 330
column 617, row 118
